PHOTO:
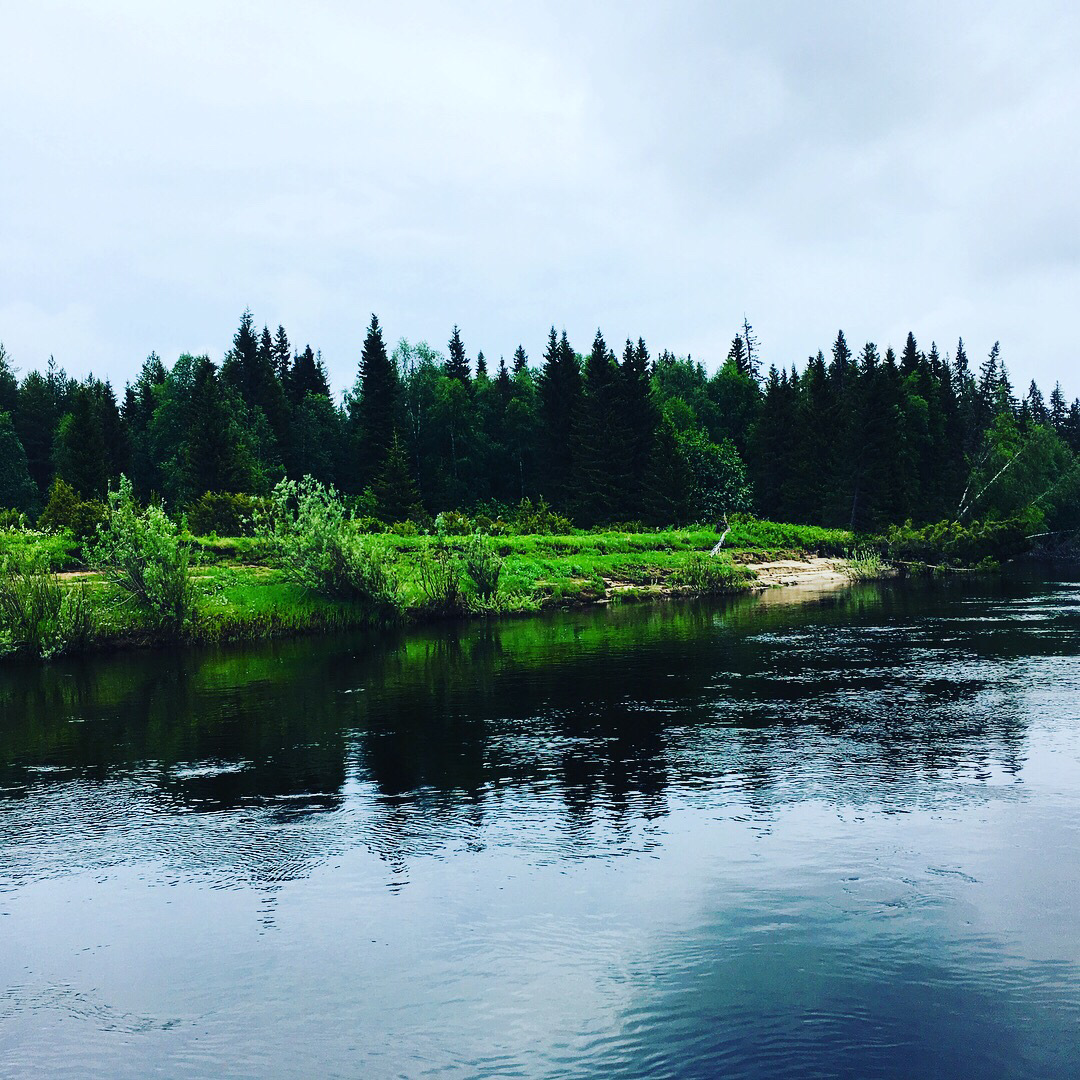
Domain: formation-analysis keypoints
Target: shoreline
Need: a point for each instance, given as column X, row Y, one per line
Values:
column 316, row 616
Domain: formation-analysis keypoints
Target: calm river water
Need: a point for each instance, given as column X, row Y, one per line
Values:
column 766, row 838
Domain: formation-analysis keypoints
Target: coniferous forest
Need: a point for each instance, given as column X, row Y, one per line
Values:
column 858, row 438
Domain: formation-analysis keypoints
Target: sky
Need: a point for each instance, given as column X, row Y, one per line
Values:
column 649, row 169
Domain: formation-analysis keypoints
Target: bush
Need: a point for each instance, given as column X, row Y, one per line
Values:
column 65, row 510
column 483, row 565
column 221, row 513
column 142, row 552
column 41, row 615
column 952, row 544
column 405, row 528
column 452, row 523
column 308, row 531
column 540, row 520
column 10, row 520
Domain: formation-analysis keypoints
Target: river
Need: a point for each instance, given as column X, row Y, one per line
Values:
column 834, row 835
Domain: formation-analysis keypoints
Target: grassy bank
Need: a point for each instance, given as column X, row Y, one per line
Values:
column 242, row 590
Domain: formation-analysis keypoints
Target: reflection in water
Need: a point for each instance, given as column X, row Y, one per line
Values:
column 675, row 840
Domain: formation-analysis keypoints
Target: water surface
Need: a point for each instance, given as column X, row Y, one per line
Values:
column 761, row 838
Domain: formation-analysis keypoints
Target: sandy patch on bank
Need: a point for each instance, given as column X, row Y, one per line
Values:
column 817, row 572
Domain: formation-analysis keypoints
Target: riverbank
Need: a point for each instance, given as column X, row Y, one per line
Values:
column 243, row 593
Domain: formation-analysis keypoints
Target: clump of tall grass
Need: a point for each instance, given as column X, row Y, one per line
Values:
column 41, row 615
column 709, row 575
column 864, row 564
column 483, row 565
column 439, row 576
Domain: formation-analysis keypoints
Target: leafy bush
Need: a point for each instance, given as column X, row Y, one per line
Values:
column 309, row 532
column 709, row 575
column 10, row 520
column 65, row 510
column 452, row 523
column 141, row 551
column 483, row 565
column 438, row 573
column 525, row 518
column 39, row 614
column 952, row 544
column 405, row 528
column 222, row 513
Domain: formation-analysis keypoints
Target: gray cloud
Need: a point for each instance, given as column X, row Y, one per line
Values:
column 652, row 169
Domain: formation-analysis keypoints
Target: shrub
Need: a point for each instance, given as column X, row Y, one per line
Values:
column 39, row 614
column 222, row 513
column 452, row 523
column 65, row 510
column 540, row 519
column 953, row 544
column 142, row 552
column 405, row 528
column 483, row 565
column 309, row 532
column 11, row 520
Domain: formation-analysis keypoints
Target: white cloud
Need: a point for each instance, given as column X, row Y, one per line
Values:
column 652, row 170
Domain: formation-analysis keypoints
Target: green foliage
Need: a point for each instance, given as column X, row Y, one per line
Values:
column 65, row 510
column 310, row 534
column 527, row 519
column 439, row 576
column 141, row 552
column 10, row 520
column 452, row 523
column 17, row 489
column 950, row 543
column 865, row 564
column 483, row 565
column 223, row 513
column 39, row 614
column 710, row 575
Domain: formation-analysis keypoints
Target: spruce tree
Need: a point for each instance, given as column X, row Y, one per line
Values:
column 282, row 355
column 521, row 359
column 600, row 441
column 481, row 365
column 395, row 489
column 374, row 408
column 9, row 385
column 560, row 400
column 457, row 364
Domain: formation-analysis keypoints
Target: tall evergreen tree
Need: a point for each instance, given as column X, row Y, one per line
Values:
column 17, row 490
column 374, row 408
column 457, row 364
column 521, row 359
column 560, row 401
column 600, row 450
column 282, row 355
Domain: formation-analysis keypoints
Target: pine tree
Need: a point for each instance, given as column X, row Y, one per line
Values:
column 1059, row 411
column 250, row 369
column 1037, row 405
column 394, row 488
column 457, row 365
column 521, row 360
column 639, row 421
column 600, row 443
column 373, row 410
column 753, row 362
column 560, row 400
column 481, row 365
column 282, row 355
column 665, row 495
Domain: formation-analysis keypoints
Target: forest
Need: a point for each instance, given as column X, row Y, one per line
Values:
column 857, row 440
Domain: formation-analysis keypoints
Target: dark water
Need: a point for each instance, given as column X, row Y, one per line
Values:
column 839, row 838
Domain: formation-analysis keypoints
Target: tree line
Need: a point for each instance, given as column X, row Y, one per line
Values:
column 856, row 439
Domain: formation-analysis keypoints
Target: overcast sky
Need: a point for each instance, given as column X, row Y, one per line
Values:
column 656, row 169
